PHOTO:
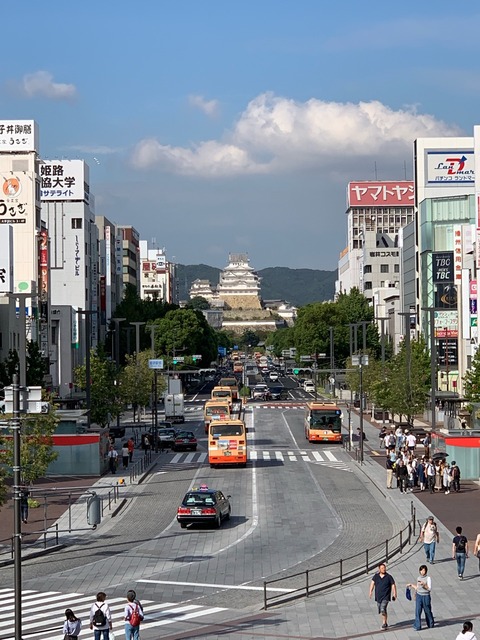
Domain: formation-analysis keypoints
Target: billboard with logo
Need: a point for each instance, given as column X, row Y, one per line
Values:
column 16, row 201
column 449, row 167
column 18, row 135
column 380, row 194
column 64, row 180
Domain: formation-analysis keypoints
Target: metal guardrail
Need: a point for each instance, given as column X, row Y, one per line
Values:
column 313, row 581
column 138, row 467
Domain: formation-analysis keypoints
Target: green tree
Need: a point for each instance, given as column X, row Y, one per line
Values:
column 185, row 331
column 37, row 364
column 136, row 381
column 36, row 446
column 249, row 338
column 105, row 399
column 471, row 381
column 198, row 303
column 281, row 339
column 407, row 383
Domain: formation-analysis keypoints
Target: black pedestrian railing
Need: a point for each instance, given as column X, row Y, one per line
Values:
column 139, row 467
column 313, row 581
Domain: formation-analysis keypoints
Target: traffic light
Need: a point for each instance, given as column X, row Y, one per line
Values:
column 296, row 371
column 175, row 361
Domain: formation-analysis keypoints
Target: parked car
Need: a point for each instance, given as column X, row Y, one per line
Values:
column 184, row 440
column 204, row 505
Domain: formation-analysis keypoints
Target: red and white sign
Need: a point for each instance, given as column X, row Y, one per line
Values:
column 380, row 194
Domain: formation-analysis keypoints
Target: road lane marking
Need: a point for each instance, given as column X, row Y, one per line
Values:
column 209, row 585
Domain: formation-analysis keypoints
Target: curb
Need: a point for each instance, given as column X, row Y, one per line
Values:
column 35, row 554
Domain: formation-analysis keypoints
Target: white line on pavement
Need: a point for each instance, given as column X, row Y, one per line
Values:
column 213, row 586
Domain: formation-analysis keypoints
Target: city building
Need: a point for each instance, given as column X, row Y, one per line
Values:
column 130, row 256
column 70, row 246
column 158, row 275
column 20, row 239
column 239, row 285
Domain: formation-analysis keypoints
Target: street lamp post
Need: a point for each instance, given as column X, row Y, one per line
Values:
column 360, row 361
column 137, row 326
column 88, row 375
column 382, row 342
column 433, row 362
column 117, row 322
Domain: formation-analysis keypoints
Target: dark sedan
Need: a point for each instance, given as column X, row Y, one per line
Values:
column 184, row 441
column 204, row 505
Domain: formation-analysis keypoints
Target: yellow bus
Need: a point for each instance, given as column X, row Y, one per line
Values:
column 323, row 422
column 232, row 383
column 222, row 393
column 227, row 443
column 215, row 410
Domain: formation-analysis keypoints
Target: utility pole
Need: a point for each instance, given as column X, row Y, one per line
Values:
column 117, row 322
column 433, row 362
column 17, row 527
column 137, row 326
column 332, row 362
column 361, row 361
column 408, row 356
column 382, row 343
column 22, row 335
column 88, row 375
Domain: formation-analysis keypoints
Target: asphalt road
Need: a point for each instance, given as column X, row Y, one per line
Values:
column 296, row 506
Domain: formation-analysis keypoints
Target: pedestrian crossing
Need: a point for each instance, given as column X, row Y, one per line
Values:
column 325, row 457
column 43, row 613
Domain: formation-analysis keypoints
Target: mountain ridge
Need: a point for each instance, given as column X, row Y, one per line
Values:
column 296, row 286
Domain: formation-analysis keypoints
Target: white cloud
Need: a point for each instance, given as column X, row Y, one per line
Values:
column 209, row 107
column 41, row 84
column 276, row 134
column 95, row 149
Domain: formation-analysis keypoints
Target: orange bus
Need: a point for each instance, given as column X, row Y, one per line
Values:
column 215, row 410
column 323, row 422
column 222, row 393
column 227, row 443
column 232, row 383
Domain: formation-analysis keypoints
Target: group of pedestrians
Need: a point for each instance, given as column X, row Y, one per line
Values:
column 422, row 473
column 385, row 590
column 100, row 619
column 126, row 452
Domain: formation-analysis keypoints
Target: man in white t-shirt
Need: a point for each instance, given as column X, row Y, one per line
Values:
column 411, row 442
column 429, row 536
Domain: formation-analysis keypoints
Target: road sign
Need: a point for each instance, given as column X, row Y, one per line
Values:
column 178, row 359
column 197, row 357
column 306, row 358
column 155, row 364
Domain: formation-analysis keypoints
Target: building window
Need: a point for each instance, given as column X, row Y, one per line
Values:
column 368, row 285
column 384, row 268
column 396, row 268
column 76, row 223
column 367, row 268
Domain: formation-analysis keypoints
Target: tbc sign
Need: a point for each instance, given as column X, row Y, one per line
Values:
column 442, row 265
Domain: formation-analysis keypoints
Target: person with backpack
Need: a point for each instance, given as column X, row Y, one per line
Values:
column 429, row 535
column 460, row 551
column 455, row 475
column 100, row 617
column 133, row 616
column 72, row 626
column 430, row 474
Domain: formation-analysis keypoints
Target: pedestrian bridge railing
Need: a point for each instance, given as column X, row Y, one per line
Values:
column 313, row 581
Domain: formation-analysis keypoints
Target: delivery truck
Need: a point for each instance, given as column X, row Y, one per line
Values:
column 174, row 407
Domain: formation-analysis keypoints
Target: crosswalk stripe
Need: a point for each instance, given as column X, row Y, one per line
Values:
column 47, row 620
column 324, row 457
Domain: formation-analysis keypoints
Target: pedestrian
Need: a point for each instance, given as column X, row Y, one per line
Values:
column 422, row 478
column 430, row 473
column 390, row 441
column 423, row 600
column 447, row 479
column 430, row 536
column 125, row 455
column 438, row 475
column 390, row 467
column 460, row 551
column 131, row 448
column 381, row 436
column 385, row 590
column 112, row 459
column 24, row 495
column 133, row 616
column 402, row 476
column 455, row 473
column 72, row 626
column 427, row 441
column 411, row 441
column 476, row 549
column 467, row 632
column 101, row 617
column 146, row 443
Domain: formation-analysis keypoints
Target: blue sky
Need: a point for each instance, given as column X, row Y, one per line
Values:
column 220, row 127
